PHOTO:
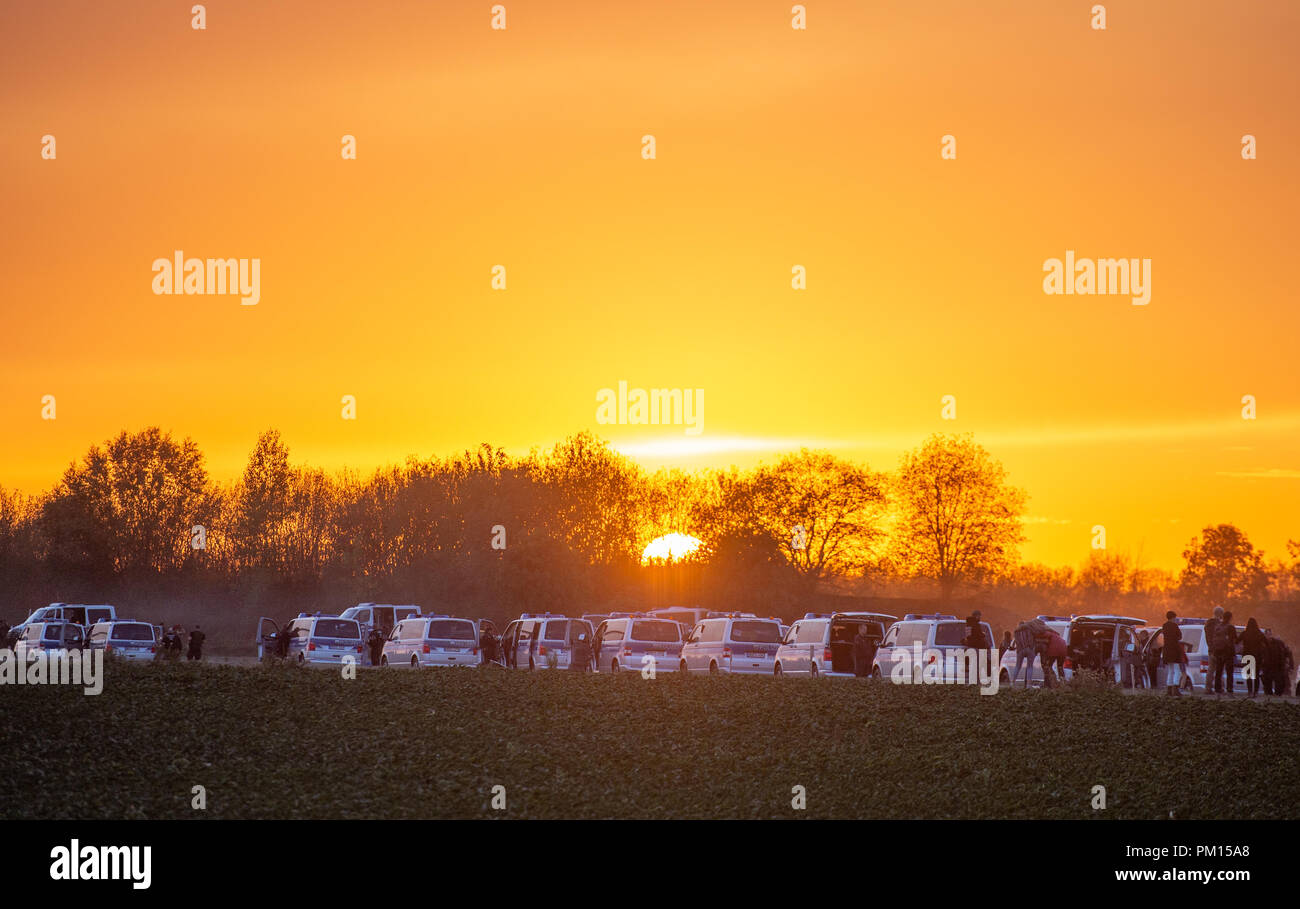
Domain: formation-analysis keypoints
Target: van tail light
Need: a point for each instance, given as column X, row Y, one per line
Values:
column 426, row 648
column 541, row 651
column 826, row 655
column 475, row 651
column 932, row 658
column 358, row 648
column 311, row 645
column 1069, row 664
column 726, row 653
column 108, row 647
column 627, row 651
column 153, row 649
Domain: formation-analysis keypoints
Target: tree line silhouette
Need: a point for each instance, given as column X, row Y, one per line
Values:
column 573, row 521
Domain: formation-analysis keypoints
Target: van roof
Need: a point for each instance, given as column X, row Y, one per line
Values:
column 1107, row 617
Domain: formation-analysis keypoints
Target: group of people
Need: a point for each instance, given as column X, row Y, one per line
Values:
column 1271, row 660
column 1035, row 640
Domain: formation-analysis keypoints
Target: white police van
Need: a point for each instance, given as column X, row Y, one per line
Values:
column 739, row 643
column 627, row 643
column 937, row 634
column 55, row 634
column 821, row 644
column 1103, row 643
column 79, row 614
column 324, row 639
column 383, row 616
column 124, row 639
column 432, row 640
column 543, row 640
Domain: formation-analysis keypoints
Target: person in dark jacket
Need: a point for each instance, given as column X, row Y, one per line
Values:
column 1254, row 645
column 196, row 644
column 1172, row 653
column 864, row 651
column 1005, row 645
column 1223, row 651
column 581, row 660
column 1210, row 624
column 1054, row 654
column 978, row 640
column 375, row 641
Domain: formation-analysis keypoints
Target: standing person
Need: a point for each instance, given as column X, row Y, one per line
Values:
column 864, row 651
column 1223, row 645
column 1254, row 645
column 977, row 640
column 1026, row 649
column 196, row 644
column 1005, row 645
column 581, row 660
column 1172, row 653
column 488, row 641
column 375, row 641
column 1054, row 655
column 1210, row 625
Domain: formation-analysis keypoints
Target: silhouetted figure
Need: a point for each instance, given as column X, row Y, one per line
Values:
column 196, row 644
column 376, row 644
column 1172, row 653
column 864, row 652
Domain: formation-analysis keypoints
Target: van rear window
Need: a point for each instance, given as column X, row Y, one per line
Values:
column 337, row 628
column 450, row 631
column 134, row 631
column 756, row 633
column 660, row 632
column 950, row 634
column 556, row 631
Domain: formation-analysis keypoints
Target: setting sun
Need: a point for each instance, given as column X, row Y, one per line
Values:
column 670, row 547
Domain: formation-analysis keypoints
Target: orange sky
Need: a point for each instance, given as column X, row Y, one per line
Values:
column 775, row 147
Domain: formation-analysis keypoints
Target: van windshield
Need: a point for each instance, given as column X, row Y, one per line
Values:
column 134, row 631
column 659, row 632
column 756, row 633
column 337, row 628
column 450, row 631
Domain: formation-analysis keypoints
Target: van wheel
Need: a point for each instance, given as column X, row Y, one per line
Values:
column 776, row 670
column 813, row 671
column 875, row 673
column 682, row 668
column 713, row 668
column 383, row 660
column 301, row 659
column 415, row 662
column 1003, row 678
column 613, row 665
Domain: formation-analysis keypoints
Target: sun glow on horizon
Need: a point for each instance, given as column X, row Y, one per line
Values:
column 671, row 547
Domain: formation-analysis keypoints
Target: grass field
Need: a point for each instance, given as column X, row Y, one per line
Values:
column 284, row 742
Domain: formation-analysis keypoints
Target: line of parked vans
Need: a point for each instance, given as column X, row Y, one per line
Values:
column 75, row 626
column 686, row 640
